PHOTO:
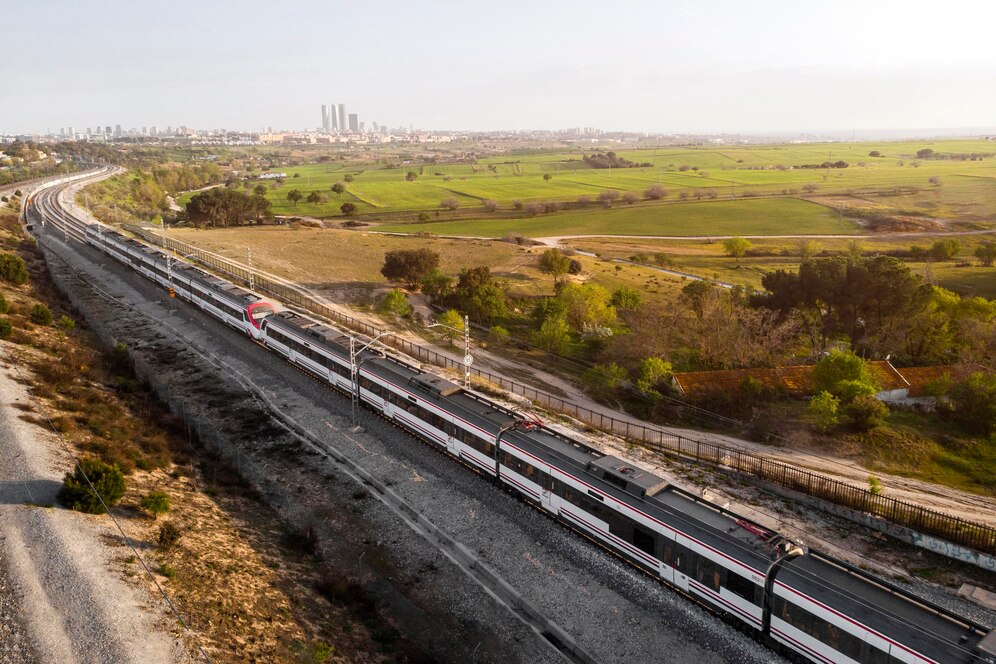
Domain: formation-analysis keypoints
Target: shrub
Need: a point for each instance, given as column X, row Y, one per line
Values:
column 13, row 270
column 449, row 203
column 874, row 486
column 155, row 503
column 866, row 412
column 974, row 402
column 167, row 571
column 66, row 324
column 424, row 216
column 603, row 378
column 106, row 482
column 849, row 390
column 4, row 304
column 395, row 303
column 824, row 411
column 169, row 535
column 5, row 328
column 40, row 315
column 499, row 335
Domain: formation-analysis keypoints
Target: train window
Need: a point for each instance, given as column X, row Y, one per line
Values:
column 595, row 495
column 741, row 586
column 876, row 656
column 708, row 573
column 669, row 553
column 842, row 641
column 681, row 558
column 644, row 540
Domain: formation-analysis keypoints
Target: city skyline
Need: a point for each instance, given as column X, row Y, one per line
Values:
column 672, row 67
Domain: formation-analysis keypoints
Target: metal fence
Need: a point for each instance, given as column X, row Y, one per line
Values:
column 954, row 529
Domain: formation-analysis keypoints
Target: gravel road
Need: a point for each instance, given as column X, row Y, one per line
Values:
column 59, row 601
column 615, row 613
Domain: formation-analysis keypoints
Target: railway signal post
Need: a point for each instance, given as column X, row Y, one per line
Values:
column 354, row 374
column 468, row 359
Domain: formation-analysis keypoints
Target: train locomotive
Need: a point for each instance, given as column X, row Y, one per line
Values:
column 810, row 607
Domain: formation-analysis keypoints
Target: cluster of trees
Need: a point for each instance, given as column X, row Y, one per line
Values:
column 929, row 153
column 611, row 160
column 827, row 164
column 880, row 307
column 941, row 250
column 221, row 207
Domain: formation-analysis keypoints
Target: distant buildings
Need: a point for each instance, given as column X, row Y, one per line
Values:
column 342, row 117
column 354, row 122
column 326, row 119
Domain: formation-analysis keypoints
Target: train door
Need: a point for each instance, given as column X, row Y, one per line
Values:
column 682, row 564
column 453, row 441
column 548, row 497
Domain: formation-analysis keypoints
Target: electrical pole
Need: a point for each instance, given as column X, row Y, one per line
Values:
column 252, row 280
column 468, row 359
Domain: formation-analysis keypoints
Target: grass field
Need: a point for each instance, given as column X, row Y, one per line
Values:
column 765, row 216
column 708, row 259
column 736, row 170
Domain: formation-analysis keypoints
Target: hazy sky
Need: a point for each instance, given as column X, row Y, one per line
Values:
column 659, row 65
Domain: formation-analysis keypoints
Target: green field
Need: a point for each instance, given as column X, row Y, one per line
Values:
column 728, row 171
column 766, row 216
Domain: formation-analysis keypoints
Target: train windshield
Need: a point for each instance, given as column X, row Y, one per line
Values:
column 260, row 310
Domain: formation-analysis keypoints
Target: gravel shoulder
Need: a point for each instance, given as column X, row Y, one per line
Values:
column 59, row 599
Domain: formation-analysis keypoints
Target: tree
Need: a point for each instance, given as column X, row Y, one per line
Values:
column 436, row 285
column 824, row 411
column 810, row 188
column 736, row 247
column 91, row 481
column 259, row 190
column 347, row 208
column 986, row 253
column 945, row 250
column 935, row 180
column 547, row 177
column 655, row 192
column 294, row 196
column 409, row 266
column 874, row 153
column 316, row 198
column 394, row 303
column 974, row 402
column 155, row 503
column 348, row 177
column 630, row 197
column 840, row 373
column 337, row 189
column 453, row 321
column 553, row 335
column 608, row 197
column 625, row 297
column 410, row 176
column 694, row 294
column 586, row 307
column 809, row 248
column 13, row 269
column 449, row 203
column 555, row 263
column 226, row 207
column 490, row 204
column 653, row 375
column 925, row 153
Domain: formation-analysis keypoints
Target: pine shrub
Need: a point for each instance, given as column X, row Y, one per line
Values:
column 78, row 494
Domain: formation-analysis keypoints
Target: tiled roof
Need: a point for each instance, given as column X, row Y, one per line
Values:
column 794, row 381
column 920, row 377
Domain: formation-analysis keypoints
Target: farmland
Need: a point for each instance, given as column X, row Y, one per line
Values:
column 379, row 189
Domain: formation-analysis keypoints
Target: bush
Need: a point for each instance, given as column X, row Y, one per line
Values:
column 40, row 315
column 4, row 304
column 394, row 303
column 849, row 390
column 108, row 481
column 866, row 412
column 824, row 411
column 974, row 402
column 424, row 216
column 499, row 335
column 66, row 324
column 13, row 270
column 167, row 571
column 5, row 328
column 155, row 503
column 169, row 535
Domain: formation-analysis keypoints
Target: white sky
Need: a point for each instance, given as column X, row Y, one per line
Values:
column 656, row 65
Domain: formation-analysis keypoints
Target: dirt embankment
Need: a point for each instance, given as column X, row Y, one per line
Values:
column 72, row 587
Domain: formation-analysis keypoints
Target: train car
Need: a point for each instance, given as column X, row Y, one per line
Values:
column 815, row 609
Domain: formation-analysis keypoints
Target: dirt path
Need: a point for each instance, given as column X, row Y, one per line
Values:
column 69, row 606
column 554, row 240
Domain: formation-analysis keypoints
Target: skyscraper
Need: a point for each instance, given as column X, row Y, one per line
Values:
column 326, row 119
column 354, row 122
column 342, row 117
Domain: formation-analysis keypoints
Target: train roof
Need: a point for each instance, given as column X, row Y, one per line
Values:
column 873, row 602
